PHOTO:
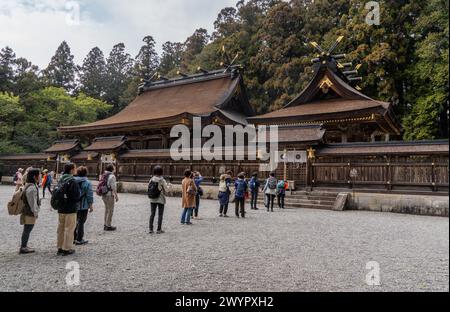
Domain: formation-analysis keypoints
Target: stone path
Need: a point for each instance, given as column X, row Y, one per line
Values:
column 291, row 250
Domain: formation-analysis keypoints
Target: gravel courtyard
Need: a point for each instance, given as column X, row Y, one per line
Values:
column 292, row 250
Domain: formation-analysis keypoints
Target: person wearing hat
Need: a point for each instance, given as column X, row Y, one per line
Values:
column 46, row 182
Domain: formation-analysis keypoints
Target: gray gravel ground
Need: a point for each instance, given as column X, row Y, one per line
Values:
column 292, row 250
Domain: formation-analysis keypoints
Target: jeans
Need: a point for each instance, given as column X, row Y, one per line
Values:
column 160, row 208
column 186, row 215
column 197, row 205
column 281, row 200
column 81, row 220
column 46, row 187
column 223, row 209
column 269, row 201
column 240, row 206
column 254, row 199
column 27, row 228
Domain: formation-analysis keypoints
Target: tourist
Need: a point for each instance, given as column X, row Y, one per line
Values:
column 18, row 179
column 110, row 197
column 189, row 190
column 254, row 186
column 46, row 182
column 67, row 213
column 85, row 205
column 224, row 195
column 198, row 179
column 281, row 193
column 24, row 176
column 270, row 190
column 240, row 190
column 30, row 210
column 158, row 188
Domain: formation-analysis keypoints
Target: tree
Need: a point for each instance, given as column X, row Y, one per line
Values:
column 93, row 74
column 7, row 61
column 62, row 70
column 50, row 108
column 171, row 57
column 26, row 78
column 428, row 111
column 147, row 59
column 10, row 112
column 118, row 76
column 194, row 45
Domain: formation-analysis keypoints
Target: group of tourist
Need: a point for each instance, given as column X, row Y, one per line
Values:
column 76, row 189
column 78, row 195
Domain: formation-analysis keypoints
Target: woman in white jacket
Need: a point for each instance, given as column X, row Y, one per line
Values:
column 158, row 188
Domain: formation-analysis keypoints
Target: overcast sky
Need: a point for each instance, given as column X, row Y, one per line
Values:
column 35, row 28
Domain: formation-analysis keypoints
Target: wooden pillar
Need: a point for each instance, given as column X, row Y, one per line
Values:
column 433, row 176
column 343, row 137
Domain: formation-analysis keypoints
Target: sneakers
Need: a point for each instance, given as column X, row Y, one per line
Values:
column 68, row 252
column 160, row 232
column 26, row 250
column 221, row 215
column 225, row 216
column 60, row 252
column 151, row 232
column 82, row 242
column 109, row 228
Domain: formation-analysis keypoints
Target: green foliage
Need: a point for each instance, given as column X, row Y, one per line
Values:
column 50, row 108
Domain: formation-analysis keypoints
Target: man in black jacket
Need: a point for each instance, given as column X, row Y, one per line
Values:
column 68, row 212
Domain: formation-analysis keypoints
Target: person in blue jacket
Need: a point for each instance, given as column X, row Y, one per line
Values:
column 198, row 179
column 254, row 186
column 85, row 204
column 241, row 187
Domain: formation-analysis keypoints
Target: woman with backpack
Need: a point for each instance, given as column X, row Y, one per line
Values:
column 85, row 205
column 281, row 193
column 30, row 212
column 270, row 190
column 157, row 190
column 240, row 186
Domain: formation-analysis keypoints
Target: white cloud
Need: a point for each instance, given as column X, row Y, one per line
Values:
column 35, row 28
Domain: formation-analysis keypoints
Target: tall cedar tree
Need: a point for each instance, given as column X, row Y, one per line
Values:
column 171, row 58
column 93, row 74
column 62, row 70
column 7, row 63
column 118, row 76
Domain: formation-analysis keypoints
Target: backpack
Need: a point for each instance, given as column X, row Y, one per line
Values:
column 252, row 184
column 15, row 206
column 241, row 188
column 153, row 190
column 281, row 185
column 102, row 187
column 272, row 183
column 59, row 195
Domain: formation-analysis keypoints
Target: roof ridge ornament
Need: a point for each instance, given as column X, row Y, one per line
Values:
column 331, row 61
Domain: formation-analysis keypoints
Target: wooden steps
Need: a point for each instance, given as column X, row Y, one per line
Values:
column 304, row 199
